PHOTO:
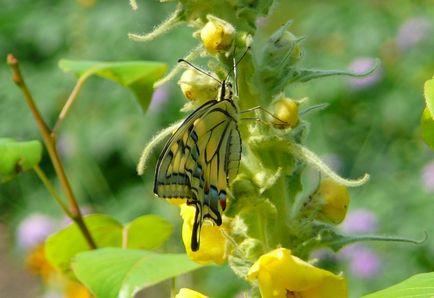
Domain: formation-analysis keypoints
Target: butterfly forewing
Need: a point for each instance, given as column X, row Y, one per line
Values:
column 199, row 161
column 168, row 175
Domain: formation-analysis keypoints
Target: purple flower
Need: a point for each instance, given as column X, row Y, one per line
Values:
column 160, row 96
column 34, row 229
column 413, row 31
column 363, row 262
column 428, row 176
column 361, row 65
column 359, row 221
column 66, row 221
column 323, row 254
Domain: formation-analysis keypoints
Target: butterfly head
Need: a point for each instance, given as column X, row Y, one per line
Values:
column 225, row 91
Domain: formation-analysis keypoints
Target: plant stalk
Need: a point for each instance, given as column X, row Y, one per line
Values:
column 50, row 144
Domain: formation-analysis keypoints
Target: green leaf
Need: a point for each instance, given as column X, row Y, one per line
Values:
column 427, row 128
column 62, row 246
column 113, row 273
column 419, row 285
column 17, row 157
column 138, row 76
column 147, row 232
column 428, row 91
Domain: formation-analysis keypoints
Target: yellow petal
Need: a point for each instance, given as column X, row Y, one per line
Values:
column 212, row 240
column 188, row 293
column 280, row 274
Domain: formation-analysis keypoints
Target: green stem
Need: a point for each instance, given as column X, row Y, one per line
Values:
column 50, row 144
column 349, row 240
column 173, row 287
column 71, row 99
column 51, row 189
column 171, row 22
column 279, row 196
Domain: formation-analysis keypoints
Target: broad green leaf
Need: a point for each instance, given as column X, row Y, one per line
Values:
column 62, row 246
column 428, row 91
column 16, row 157
column 427, row 128
column 147, row 232
column 138, row 76
column 419, row 285
column 120, row 273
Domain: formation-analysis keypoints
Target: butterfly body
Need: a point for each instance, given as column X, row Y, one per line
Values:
column 201, row 159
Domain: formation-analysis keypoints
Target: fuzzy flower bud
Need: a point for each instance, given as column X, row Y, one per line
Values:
column 333, row 199
column 212, row 241
column 217, row 35
column 280, row 53
column 285, row 110
column 198, row 87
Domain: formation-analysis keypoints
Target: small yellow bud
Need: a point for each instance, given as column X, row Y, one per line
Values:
column 188, row 293
column 217, row 35
column 286, row 112
column 333, row 199
column 212, row 241
column 198, row 87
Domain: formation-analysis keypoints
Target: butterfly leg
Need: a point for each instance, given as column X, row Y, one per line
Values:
column 262, row 110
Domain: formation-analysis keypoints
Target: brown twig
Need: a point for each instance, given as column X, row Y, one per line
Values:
column 50, row 144
column 71, row 99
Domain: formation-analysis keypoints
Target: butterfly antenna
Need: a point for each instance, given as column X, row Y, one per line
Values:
column 198, row 69
column 236, row 64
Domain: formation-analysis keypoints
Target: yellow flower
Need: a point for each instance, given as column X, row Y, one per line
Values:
column 76, row 290
column 176, row 201
column 212, row 241
column 217, row 35
column 334, row 200
column 188, row 293
column 39, row 265
column 282, row 275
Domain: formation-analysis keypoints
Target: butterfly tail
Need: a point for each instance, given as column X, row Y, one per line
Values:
column 197, row 225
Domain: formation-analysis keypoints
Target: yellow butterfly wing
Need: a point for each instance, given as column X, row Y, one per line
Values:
column 199, row 161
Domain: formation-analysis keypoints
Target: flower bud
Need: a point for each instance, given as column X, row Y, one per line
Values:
column 212, row 241
column 280, row 54
column 197, row 86
column 333, row 199
column 217, row 35
column 286, row 112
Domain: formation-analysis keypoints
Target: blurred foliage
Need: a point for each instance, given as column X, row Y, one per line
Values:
column 372, row 129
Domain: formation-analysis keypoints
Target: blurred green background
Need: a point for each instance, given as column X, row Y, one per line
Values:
column 371, row 125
